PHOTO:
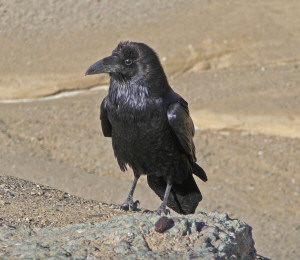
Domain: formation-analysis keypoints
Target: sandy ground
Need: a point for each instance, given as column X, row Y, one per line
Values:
column 237, row 63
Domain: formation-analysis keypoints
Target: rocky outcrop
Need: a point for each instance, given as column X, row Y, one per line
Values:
column 41, row 222
column 133, row 236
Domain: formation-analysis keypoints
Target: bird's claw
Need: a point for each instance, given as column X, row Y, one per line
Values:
column 159, row 211
column 130, row 205
column 162, row 211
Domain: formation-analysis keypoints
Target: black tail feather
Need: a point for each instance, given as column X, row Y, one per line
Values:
column 198, row 171
column 184, row 197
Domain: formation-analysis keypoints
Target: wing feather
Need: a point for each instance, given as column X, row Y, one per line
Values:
column 183, row 126
column 105, row 124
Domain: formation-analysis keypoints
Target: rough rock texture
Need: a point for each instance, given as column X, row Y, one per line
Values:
column 46, row 225
column 206, row 236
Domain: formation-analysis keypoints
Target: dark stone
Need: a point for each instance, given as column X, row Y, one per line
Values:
column 163, row 224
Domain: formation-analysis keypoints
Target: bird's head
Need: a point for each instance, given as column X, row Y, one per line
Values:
column 129, row 61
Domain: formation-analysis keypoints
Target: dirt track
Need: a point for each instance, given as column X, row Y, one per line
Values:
column 236, row 63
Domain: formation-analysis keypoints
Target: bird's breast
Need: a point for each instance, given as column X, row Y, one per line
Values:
column 141, row 135
column 137, row 131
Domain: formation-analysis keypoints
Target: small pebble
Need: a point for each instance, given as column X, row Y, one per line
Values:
column 163, row 224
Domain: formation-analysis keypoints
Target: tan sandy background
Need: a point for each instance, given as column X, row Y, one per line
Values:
column 235, row 62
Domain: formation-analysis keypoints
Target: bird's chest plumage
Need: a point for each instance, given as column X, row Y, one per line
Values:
column 137, row 121
column 141, row 135
column 131, row 106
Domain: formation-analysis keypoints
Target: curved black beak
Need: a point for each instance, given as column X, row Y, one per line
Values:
column 106, row 65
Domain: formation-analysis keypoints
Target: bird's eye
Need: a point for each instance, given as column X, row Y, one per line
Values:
column 128, row 62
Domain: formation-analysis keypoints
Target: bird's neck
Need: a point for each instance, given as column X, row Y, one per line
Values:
column 139, row 87
column 158, row 86
column 124, row 93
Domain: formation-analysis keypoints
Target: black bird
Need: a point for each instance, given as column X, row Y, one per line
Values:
column 150, row 127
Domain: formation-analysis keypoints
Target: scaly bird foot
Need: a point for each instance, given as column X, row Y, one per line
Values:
column 160, row 211
column 130, row 205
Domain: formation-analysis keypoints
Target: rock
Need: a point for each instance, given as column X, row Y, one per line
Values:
column 47, row 226
column 163, row 224
column 133, row 236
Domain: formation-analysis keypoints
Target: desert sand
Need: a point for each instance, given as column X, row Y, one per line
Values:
column 235, row 62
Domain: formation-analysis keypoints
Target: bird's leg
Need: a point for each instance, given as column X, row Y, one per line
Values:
column 129, row 204
column 163, row 207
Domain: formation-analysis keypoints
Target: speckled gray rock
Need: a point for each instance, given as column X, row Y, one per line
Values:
column 133, row 236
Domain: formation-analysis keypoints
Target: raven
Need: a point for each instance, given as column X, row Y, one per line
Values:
column 150, row 127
